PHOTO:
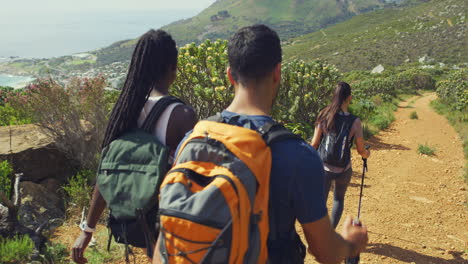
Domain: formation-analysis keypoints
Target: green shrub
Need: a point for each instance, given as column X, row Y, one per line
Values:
column 5, row 178
column 11, row 116
column 425, row 150
column 79, row 190
column 413, row 79
column 306, row 88
column 454, row 90
column 56, row 253
column 381, row 122
column 98, row 254
column 371, row 87
column 414, row 115
column 4, row 93
column 201, row 77
column 74, row 116
column 16, row 249
column 202, row 82
column 363, row 108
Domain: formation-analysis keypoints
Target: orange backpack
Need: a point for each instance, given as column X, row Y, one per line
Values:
column 214, row 202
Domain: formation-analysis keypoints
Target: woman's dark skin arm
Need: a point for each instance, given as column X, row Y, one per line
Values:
column 97, row 206
column 183, row 119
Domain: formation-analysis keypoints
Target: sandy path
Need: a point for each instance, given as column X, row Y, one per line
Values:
column 414, row 206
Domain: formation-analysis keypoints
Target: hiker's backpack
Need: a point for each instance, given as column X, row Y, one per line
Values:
column 131, row 170
column 214, row 202
column 335, row 146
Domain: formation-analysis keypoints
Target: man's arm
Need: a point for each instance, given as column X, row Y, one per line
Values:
column 328, row 246
column 97, row 206
column 309, row 205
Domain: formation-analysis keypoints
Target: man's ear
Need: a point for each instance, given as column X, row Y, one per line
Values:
column 277, row 73
column 229, row 74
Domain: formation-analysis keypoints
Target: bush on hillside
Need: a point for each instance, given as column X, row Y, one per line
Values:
column 78, row 191
column 16, row 249
column 454, row 90
column 4, row 93
column 75, row 115
column 201, row 78
column 414, row 115
column 6, row 171
column 371, row 87
column 412, row 80
column 202, row 83
column 306, row 88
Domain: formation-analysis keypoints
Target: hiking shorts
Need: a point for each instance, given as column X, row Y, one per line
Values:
column 339, row 178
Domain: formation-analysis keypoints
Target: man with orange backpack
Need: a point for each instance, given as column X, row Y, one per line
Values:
column 240, row 180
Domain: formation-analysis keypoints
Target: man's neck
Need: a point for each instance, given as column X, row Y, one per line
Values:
column 248, row 101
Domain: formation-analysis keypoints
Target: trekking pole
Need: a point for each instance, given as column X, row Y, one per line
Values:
column 356, row 221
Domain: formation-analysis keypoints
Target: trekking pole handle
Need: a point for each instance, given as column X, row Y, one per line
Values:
column 365, row 160
column 357, row 222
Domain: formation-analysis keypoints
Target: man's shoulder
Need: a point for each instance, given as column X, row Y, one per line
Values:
column 296, row 150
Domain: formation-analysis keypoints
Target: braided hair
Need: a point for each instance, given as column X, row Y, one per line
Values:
column 155, row 55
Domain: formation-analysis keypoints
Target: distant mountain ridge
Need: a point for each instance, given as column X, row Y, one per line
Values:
column 436, row 30
column 290, row 18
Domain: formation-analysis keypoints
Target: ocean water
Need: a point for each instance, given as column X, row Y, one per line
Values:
column 14, row 81
column 44, row 35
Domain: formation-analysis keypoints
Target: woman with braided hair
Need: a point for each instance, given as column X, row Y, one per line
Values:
column 151, row 72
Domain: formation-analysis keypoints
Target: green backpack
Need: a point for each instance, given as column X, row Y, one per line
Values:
column 130, row 173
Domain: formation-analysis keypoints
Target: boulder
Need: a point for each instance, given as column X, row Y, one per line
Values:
column 7, row 226
column 379, row 69
column 34, row 154
column 40, row 205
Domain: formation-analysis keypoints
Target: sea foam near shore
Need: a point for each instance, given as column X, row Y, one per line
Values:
column 15, row 81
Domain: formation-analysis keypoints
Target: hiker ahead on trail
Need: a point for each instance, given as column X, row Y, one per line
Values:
column 335, row 131
column 144, row 130
column 240, row 180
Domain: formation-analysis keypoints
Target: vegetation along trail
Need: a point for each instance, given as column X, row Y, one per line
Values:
column 415, row 206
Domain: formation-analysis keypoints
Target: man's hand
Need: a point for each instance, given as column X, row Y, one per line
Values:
column 355, row 235
column 80, row 246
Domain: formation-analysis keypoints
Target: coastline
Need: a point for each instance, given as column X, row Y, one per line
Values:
column 15, row 81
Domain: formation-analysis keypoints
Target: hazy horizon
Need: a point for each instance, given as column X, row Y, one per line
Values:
column 52, row 28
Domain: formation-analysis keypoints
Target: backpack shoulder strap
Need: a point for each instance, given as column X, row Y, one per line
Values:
column 274, row 132
column 271, row 132
column 216, row 118
column 157, row 110
column 351, row 119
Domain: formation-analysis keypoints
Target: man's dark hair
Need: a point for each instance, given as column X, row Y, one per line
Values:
column 154, row 56
column 253, row 52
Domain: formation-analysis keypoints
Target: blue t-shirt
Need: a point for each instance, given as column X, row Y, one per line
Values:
column 297, row 187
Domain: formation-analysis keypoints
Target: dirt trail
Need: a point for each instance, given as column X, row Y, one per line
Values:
column 414, row 206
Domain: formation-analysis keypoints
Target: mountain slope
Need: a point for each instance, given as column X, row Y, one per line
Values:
column 437, row 29
column 290, row 18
